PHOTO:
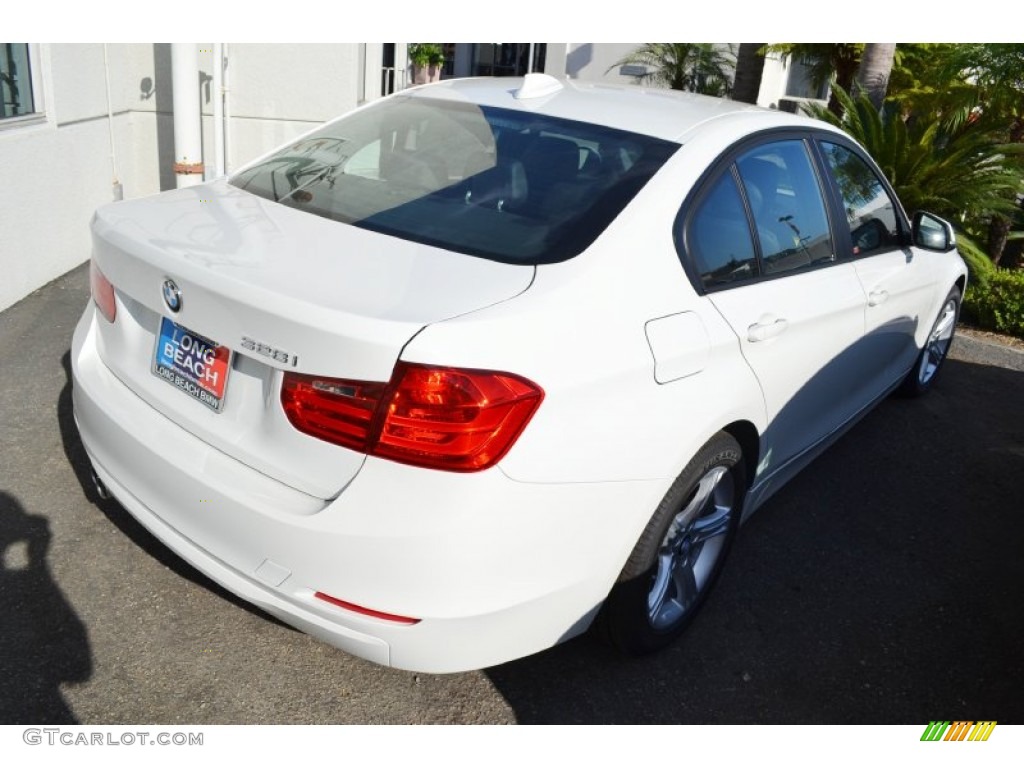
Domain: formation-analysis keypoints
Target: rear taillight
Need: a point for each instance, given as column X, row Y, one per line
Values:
column 444, row 418
column 102, row 292
column 334, row 410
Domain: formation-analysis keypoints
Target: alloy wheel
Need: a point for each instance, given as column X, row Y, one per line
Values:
column 693, row 544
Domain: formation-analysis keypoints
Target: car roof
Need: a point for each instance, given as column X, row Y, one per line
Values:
column 658, row 112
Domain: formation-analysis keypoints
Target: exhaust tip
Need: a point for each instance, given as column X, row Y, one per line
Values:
column 101, row 489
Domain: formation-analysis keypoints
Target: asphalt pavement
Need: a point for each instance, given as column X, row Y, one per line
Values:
column 883, row 585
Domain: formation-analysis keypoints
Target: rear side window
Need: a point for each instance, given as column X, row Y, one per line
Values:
column 870, row 212
column 719, row 238
column 501, row 184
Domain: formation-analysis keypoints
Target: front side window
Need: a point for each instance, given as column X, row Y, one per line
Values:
column 786, row 203
column 870, row 212
column 16, row 97
column 502, row 184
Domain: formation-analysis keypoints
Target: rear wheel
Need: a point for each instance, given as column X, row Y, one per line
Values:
column 676, row 562
column 936, row 349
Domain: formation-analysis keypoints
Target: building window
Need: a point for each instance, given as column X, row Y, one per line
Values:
column 507, row 59
column 800, row 85
column 16, row 96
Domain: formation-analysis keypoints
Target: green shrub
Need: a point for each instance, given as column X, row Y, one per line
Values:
column 424, row 54
column 979, row 265
column 997, row 301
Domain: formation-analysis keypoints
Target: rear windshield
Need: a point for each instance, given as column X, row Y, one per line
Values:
column 502, row 184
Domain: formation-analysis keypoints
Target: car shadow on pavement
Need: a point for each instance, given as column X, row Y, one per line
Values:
column 116, row 514
column 43, row 642
column 884, row 584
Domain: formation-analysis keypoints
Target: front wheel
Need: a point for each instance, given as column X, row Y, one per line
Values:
column 677, row 559
column 936, row 349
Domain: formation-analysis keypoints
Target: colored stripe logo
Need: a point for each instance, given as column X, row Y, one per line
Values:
column 960, row 730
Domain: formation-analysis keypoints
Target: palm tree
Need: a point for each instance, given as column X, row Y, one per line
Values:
column 996, row 73
column 956, row 165
column 698, row 67
column 875, row 66
column 749, row 68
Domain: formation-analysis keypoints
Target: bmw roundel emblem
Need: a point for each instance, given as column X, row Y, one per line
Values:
column 172, row 295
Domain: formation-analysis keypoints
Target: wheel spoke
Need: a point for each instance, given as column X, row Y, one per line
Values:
column 716, row 524
column 686, row 585
column 937, row 346
column 705, row 488
column 944, row 329
column 659, row 590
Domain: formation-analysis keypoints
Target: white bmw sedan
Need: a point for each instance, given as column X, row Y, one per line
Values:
column 472, row 368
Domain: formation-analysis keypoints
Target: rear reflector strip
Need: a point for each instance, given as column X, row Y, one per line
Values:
column 102, row 292
column 366, row 611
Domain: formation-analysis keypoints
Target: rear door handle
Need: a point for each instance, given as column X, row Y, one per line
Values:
column 766, row 328
column 877, row 297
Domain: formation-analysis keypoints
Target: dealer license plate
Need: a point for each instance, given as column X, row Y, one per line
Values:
column 192, row 363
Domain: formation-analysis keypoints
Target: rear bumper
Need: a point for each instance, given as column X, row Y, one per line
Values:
column 494, row 569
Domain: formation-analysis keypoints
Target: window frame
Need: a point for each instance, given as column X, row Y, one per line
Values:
column 726, row 163
column 39, row 114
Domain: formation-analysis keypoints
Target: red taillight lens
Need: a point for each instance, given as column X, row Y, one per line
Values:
column 102, row 292
column 454, row 419
column 444, row 418
column 334, row 410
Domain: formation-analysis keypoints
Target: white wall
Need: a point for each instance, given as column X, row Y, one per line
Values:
column 594, row 61
column 279, row 91
column 57, row 171
column 773, row 81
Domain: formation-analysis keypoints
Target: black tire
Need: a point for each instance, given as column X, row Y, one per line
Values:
column 678, row 558
column 929, row 361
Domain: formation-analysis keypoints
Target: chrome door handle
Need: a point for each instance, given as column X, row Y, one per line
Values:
column 877, row 297
column 767, row 328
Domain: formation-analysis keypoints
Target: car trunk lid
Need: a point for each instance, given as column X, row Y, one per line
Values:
column 284, row 291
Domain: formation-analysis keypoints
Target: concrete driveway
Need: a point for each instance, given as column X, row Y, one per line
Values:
column 884, row 585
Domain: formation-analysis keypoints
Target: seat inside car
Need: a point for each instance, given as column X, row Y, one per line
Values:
column 551, row 165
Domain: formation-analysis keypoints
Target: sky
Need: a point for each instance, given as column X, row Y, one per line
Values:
column 463, row 20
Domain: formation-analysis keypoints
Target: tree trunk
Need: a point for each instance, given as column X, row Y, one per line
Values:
column 999, row 226
column 749, row 68
column 875, row 67
column 998, row 232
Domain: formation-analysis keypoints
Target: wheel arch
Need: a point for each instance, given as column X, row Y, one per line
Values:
column 746, row 434
column 961, row 283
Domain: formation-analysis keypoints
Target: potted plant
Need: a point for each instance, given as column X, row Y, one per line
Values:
column 427, row 59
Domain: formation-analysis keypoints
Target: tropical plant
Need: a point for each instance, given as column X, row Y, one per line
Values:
column 699, row 67
column 940, row 79
column 922, row 83
column 426, row 54
column 955, row 165
column 996, row 72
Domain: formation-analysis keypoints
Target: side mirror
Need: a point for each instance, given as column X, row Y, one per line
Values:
column 933, row 233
